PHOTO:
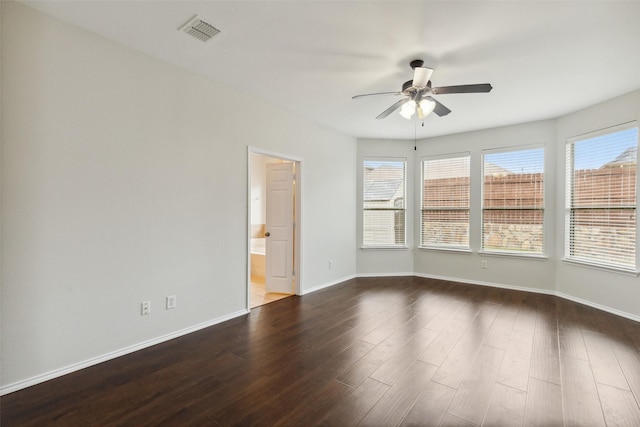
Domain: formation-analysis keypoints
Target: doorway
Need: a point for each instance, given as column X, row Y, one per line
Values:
column 273, row 227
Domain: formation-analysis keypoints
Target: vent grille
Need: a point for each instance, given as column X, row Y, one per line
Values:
column 199, row 28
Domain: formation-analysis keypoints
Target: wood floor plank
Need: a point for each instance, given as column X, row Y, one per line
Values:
column 454, row 368
column 444, row 318
column 361, row 370
column 188, row 416
column 390, row 327
column 472, row 398
column 355, row 406
column 398, row 400
column 604, row 364
column 544, row 404
column 431, row 405
column 571, row 342
column 400, row 361
column 302, row 415
column 629, row 358
column 545, row 355
column 579, row 394
column 525, row 320
column 506, row 407
column 427, row 308
column 183, row 393
column 514, row 371
column 453, row 421
column 500, row 331
column 619, row 406
column 442, row 345
column 286, row 392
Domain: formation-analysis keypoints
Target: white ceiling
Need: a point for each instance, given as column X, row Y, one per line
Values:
column 543, row 58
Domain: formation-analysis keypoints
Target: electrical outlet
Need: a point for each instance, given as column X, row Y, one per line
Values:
column 171, row 302
column 483, row 263
column 330, row 264
column 145, row 308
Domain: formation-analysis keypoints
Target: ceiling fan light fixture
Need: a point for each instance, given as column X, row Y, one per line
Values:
column 408, row 109
column 426, row 107
column 418, row 93
column 421, row 76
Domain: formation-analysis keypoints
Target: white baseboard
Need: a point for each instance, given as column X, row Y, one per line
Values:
column 386, row 275
column 327, row 285
column 10, row 388
column 599, row 306
column 537, row 291
column 490, row 284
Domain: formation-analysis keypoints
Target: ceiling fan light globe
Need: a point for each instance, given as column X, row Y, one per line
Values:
column 408, row 109
column 427, row 106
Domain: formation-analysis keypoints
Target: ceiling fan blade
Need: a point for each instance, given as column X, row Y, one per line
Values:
column 439, row 109
column 478, row 88
column 375, row 94
column 393, row 108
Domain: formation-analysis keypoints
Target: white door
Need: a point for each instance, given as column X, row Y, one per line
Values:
column 279, row 228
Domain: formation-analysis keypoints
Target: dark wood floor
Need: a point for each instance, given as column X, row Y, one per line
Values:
column 371, row 352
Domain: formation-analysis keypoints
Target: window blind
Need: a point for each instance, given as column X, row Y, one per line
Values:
column 601, row 198
column 513, row 201
column 384, row 203
column 445, row 202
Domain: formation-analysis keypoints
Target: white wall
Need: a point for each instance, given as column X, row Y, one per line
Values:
column 615, row 291
column 125, row 179
column 1, row 139
column 386, row 261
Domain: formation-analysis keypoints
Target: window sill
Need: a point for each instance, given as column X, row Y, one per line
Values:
column 515, row 255
column 386, row 248
column 602, row 267
column 445, row 249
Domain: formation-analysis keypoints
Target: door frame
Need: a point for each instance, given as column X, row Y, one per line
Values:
column 297, row 235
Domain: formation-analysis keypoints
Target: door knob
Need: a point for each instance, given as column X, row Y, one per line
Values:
column 267, row 234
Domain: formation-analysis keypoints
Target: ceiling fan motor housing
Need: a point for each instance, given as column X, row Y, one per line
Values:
column 409, row 85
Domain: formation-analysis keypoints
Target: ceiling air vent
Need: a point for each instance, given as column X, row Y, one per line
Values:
column 199, row 28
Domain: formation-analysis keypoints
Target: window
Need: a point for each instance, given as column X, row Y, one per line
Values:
column 383, row 203
column 513, row 201
column 445, row 202
column 601, row 198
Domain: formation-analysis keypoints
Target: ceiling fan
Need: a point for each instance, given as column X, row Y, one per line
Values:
column 418, row 92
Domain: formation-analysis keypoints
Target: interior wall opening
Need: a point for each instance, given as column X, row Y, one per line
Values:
column 273, row 244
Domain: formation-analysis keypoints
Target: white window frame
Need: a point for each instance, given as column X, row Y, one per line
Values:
column 541, row 254
column 402, row 245
column 444, row 247
column 568, row 198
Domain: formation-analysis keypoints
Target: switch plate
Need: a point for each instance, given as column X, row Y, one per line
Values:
column 330, row 264
column 483, row 263
column 145, row 308
column 171, row 302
